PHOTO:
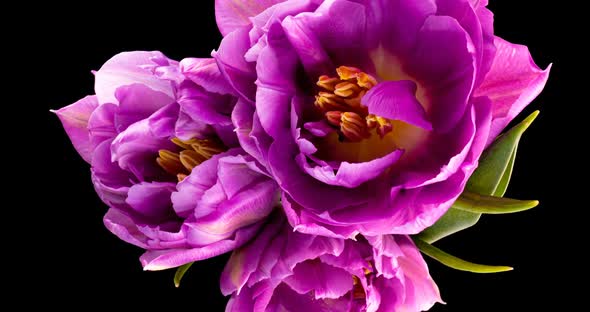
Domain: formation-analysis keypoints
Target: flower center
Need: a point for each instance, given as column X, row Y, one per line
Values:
column 192, row 153
column 340, row 102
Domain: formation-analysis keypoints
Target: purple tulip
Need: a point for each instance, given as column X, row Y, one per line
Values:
column 370, row 115
column 283, row 270
column 160, row 141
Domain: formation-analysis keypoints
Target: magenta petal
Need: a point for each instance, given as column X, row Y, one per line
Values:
column 310, row 51
column 477, row 21
column 135, row 149
column 512, row 83
column 231, row 14
column 318, row 128
column 187, row 128
column 110, row 181
column 350, row 175
column 205, row 73
column 101, row 124
column 152, row 199
column 444, row 61
column 206, row 107
column 241, row 303
column 193, row 187
column 137, row 102
column 324, row 280
column 130, row 68
column 249, row 206
column 233, row 66
column 285, row 299
column 74, row 119
column 304, row 222
column 397, row 32
column 154, row 260
column 246, row 260
column 276, row 69
column 125, row 228
column 396, row 100
column 423, row 292
column 242, row 119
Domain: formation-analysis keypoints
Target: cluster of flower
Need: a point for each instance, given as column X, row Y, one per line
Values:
column 314, row 142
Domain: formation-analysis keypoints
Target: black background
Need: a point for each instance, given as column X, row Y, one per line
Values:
column 67, row 259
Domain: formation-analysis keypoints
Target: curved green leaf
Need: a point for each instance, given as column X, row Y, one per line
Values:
column 476, row 203
column 453, row 221
column 180, row 271
column 495, row 163
column 505, row 180
column 490, row 178
column 456, row 263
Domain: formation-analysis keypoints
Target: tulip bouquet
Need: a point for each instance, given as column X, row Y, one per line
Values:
column 326, row 144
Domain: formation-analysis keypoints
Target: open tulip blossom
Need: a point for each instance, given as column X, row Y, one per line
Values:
column 326, row 144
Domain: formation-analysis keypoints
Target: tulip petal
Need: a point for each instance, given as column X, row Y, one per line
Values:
column 323, row 279
column 74, row 119
column 205, row 73
column 513, row 81
column 130, row 68
column 233, row 14
column 396, row 100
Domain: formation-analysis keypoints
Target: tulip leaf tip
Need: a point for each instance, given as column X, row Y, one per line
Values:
column 180, row 271
column 455, row 262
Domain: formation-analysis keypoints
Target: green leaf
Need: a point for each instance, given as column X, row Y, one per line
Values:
column 451, row 222
column 505, row 180
column 456, row 263
column 476, row 203
column 495, row 163
column 180, row 273
column 490, row 178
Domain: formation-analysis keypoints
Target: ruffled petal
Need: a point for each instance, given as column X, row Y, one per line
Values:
column 326, row 281
column 512, row 83
column 276, row 68
column 152, row 199
column 101, row 124
column 349, row 175
column 203, row 106
column 396, row 100
column 137, row 102
column 125, row 228
column 74, row 119
column 155, row 260
column 444, row 62
column 136, row 149
column 136, row 67
column 234, row 14
column 240, row 74
column 246, row 260
column 205, row 73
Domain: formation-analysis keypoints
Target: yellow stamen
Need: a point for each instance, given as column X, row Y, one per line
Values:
column 334, row 117
column 193, row 153
column 383, row 125
column 169, row 161
column 346, row 89
column 327, row 82
column 341, row 104
column 347, row 72
column 191, row 159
